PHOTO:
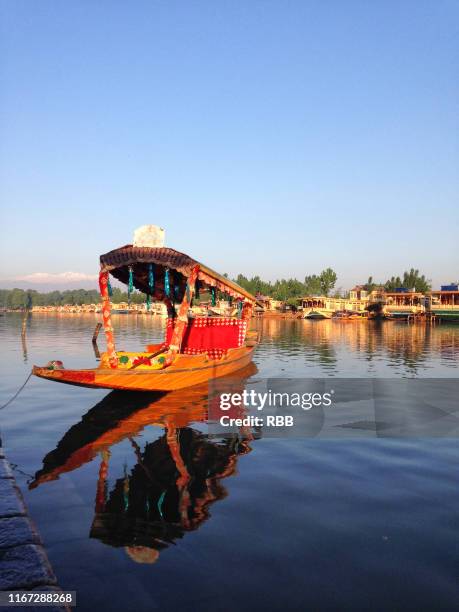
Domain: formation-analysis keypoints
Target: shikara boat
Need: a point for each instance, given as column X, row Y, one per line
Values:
column 195, row 349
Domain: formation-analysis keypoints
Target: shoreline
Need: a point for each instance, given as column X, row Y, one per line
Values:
column 24, row 564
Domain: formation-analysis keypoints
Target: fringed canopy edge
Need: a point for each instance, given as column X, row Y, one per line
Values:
column 117, row 262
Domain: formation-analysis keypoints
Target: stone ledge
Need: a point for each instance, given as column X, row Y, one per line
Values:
column 17, row 530
column 24, row 567
column 24, row 564
column 5, row 469
column 11, row 502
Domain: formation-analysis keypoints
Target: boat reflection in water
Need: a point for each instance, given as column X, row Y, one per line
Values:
column 176, row 478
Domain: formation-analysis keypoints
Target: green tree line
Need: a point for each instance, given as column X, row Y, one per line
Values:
column 285, row 289
column 290, row 289
column 410, row 279
column 20, row 298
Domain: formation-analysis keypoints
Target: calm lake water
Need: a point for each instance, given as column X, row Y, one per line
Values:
column 263, row 524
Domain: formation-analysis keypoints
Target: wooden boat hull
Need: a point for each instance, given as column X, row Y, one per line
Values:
column 186, row 371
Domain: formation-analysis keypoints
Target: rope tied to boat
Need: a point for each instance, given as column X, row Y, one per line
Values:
column 17, row 392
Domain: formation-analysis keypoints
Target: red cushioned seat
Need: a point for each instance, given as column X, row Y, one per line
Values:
column 213, row 335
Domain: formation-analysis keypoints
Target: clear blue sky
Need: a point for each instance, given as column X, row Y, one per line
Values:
column 270, row 138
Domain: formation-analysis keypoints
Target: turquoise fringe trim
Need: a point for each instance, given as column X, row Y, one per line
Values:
column 167, row 288
column 130, row 284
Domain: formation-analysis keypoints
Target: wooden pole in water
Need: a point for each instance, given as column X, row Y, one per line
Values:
column 26, row 314
column 94, row 340
column 96, row 333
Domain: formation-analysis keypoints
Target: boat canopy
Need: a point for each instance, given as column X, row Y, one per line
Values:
column 147, row 267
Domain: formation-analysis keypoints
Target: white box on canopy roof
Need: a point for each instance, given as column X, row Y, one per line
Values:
column 149, row 236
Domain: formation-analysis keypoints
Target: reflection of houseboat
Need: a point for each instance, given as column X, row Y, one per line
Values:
column 403, row 303
column 444, row 304
column 194, row 350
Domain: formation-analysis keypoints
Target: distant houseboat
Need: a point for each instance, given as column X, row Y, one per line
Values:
column 324, row 307
column 402, row 303
column 444, row 304
column 121, row 308
column 317, row 308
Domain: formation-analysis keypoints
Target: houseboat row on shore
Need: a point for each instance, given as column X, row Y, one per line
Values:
column 221, row 308
column 401, row 303
column 398, row 304
column 121, row 308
